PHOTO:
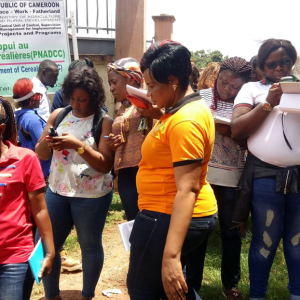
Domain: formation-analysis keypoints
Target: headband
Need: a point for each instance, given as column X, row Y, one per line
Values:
column 128, row 67
column 35, row 90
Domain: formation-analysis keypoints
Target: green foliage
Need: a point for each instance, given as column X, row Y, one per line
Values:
column 212, row 286
column 115, row 212
column 203, row 58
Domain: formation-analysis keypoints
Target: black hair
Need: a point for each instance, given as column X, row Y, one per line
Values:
column 271, row 45
column 254, row 62
column 238, row 66
column 47, row 64
column 89, row 80
column 80, row 64
column 168, row 58
column 7, row 117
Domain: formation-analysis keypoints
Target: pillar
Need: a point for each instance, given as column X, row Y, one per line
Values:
column 130, row 29
column 163, row 27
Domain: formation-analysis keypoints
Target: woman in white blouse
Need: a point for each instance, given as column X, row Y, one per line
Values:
column 270, row 175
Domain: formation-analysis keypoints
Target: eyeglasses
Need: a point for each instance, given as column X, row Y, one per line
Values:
column 282, row 63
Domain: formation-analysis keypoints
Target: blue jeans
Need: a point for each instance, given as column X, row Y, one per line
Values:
column 231, row 244
column 16, row 281
column 128, row 192
column 147, row 240
column 274, row 216
column 88, row 215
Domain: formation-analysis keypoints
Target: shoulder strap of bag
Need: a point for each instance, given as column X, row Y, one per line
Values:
column 61, row 115
column 97, row 122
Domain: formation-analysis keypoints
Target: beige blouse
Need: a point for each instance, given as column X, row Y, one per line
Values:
column 128, row 125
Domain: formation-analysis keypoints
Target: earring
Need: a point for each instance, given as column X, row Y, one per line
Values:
column 174, row 87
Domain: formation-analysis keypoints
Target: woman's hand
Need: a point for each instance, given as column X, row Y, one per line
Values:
column 150, row 112
column 173, row 279
column 46, row 266
column 274, row 95
column 65, row 141
column 114, row 141
column 223, row 129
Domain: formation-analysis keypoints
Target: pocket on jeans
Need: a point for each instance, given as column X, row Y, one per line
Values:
column 198, row 225
column 142, row 228
column 146, row 216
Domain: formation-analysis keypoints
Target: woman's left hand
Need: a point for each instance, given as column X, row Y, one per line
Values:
column 223, row 129
column 46, row 266
column 173, row 280
column 65, row 141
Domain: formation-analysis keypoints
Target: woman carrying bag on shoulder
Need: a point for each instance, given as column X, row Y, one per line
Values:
column 80, row 183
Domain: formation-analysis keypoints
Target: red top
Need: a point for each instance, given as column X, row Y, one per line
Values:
column 20, row 173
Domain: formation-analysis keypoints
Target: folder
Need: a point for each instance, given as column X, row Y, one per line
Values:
column 35, row 260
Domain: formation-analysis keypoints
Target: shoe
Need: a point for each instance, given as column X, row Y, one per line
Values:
column 233, row 294
column 68, row 263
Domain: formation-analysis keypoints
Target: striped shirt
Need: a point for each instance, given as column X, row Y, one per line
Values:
column 228, row 158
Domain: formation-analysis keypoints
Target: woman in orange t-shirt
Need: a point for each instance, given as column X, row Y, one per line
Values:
column 177, row 205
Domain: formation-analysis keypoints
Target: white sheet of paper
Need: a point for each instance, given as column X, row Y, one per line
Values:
column 125, row 232
column 220, row 120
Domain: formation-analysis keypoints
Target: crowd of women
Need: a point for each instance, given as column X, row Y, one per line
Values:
column 189, row 158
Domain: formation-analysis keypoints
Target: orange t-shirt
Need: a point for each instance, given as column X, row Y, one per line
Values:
column 181, row 136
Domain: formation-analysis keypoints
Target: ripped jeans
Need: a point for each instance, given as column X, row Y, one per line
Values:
column 274, row 216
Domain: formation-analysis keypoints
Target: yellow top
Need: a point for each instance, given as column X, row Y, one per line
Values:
column 183, row 135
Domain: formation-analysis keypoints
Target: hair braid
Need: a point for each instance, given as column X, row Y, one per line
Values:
column 239, row 67
column 7, row 117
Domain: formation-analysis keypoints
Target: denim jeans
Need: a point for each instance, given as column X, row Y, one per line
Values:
column 147, row 240
column 274, row 216
column 128, row 192
column 231, row 238
column 16, row 281
column 231, row 244
column 88, row 215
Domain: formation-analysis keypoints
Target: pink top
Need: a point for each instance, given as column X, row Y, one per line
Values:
column 20, row 173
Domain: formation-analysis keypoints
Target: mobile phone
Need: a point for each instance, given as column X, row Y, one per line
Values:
column 52, row 132
column 286, row 79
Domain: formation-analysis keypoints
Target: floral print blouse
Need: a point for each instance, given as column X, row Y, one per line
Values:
column 70, row 175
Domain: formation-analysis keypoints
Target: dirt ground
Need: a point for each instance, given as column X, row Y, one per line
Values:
column 113, row 274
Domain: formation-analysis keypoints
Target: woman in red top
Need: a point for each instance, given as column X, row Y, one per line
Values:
column 21, row 194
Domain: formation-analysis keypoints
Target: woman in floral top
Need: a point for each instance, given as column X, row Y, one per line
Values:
column 80, row 183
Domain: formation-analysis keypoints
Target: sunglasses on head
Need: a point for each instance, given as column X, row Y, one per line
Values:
column 282, row 63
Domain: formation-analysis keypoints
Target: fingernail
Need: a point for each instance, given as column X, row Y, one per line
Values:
column 106, row 136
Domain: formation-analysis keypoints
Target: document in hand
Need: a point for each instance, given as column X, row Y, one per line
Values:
column 138, row 97
column 125, row 232
column 221, row 120
column 290, row 99
column 35, row 260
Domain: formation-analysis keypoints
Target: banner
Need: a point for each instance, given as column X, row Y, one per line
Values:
column 31, row 31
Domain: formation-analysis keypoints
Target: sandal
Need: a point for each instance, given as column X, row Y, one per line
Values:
column 233, row 294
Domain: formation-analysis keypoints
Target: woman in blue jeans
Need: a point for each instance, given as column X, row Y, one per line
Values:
column 177, row 205
column 271, row 174
column 21, row 195
column 80, row 183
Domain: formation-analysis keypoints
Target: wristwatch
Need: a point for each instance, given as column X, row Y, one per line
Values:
column 81, row 149
column 266, row 105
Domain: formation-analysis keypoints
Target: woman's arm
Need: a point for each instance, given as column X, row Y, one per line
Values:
column 245, row 121
column 42, row 148
column 42, row 220
column 101, row 160
column 187, row 179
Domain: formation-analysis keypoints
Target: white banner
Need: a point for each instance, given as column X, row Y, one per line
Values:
column 31, row 31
